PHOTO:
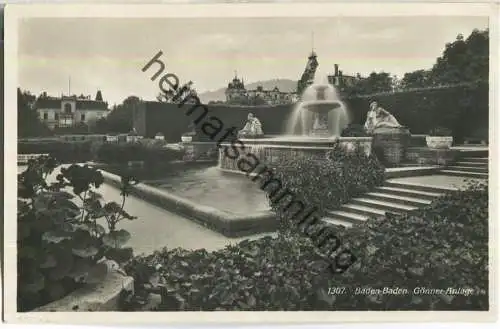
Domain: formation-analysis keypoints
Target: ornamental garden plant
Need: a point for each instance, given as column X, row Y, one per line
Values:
column 68, row 236
column 442, row 245
column 327, row 184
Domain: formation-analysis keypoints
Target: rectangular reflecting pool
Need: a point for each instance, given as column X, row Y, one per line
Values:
column 206, row 185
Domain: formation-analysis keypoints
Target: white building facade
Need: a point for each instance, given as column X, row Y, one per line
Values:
column 69, row 111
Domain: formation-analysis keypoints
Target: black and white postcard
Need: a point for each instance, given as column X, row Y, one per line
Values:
column 250, row 163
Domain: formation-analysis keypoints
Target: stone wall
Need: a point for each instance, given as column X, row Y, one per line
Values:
column 271, row 151
column 428, row 156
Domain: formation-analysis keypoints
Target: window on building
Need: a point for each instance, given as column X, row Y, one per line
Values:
column 45, row 116
column 82, row 117
column 56, row 116
column 67, row 108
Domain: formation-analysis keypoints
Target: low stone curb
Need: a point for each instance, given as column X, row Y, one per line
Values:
column 224, row 222
column 104, row 296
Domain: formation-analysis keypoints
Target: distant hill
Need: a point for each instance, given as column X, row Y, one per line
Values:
column 285, row 85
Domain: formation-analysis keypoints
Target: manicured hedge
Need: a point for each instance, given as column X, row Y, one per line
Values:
column 64, row 152
column 444, row 245
column 122, row 153
column 463, row 109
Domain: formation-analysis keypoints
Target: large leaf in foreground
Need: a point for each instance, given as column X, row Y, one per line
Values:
column 97, row 273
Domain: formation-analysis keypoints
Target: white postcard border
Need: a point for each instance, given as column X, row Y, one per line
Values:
column 13, row 13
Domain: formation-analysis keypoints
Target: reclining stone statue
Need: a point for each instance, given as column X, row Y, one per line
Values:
column 252, row 128
column 377, row 118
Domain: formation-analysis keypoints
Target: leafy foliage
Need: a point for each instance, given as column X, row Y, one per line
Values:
column 376, row 82
column 327, row 184
column 441, row 246
column 453, row 93
column 354, row 130
column 28, row 122
column 463, row 60
column 61, row 242
column 121, row 117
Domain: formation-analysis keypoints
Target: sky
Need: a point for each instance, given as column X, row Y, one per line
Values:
column 109, row 53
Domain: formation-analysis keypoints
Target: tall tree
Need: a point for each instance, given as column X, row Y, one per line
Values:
column 28, row 122
column 374, row 83
column 120, row 119
column 416, row 79
column 463, row 60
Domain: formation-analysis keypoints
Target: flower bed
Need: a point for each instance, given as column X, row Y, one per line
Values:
column 327, row 184
column 444, row 245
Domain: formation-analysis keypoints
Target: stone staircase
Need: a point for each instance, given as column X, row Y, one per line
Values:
column 471, row 167
column 393, row 197
column 399, row 197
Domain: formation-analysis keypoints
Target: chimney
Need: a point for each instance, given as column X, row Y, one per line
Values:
column 340, row 73
column 336, row 70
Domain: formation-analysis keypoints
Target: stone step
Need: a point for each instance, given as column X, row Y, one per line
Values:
column 334, row 221
column 464, row 174
column 468, row 169
column 408, row 192
column 398, row 199
column 419, row 187
column 471, row 164
column 382, row 205
column 475, row 160
column 346, row 216
column 362, row 210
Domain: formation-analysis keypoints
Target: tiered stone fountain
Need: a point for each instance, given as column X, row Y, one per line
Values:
column 313, row 128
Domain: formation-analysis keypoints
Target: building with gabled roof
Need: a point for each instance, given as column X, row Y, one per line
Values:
column 69, row 111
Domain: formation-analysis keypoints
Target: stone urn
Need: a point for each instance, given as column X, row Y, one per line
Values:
column 439, row 142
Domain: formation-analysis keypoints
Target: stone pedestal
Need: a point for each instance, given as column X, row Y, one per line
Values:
column 390, row 144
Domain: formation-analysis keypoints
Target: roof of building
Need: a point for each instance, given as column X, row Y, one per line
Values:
column 49, row 102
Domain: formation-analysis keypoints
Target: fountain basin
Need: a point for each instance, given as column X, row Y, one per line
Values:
column 321, row 106
column 269, row 151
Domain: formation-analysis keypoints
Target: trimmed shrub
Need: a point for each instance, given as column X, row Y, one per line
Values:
column 62, row 245
column 64, row 152
column 444, row 245
column 354, row 130
column 122, row 153
column 326, row 184
column 461, row 108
